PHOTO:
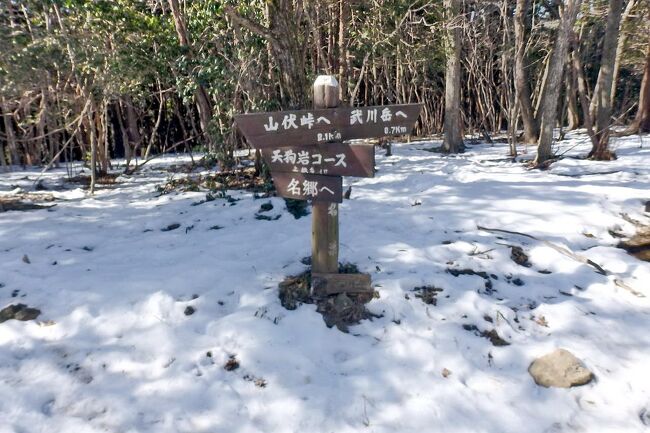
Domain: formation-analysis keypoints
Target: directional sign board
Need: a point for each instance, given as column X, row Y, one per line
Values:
column 309, row 127
column 309, row 142
column 332, row 159
column 307, row 156
column 313, row 187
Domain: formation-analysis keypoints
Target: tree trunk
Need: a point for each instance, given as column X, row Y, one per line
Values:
column 289, row 49
column 3, row 161
column 512, row 129
column 53, row 123
column 201, row 97
column 205, row 114
column 154, row 132
column 9, row 131
column 135, row 138
column 582, row 90
column 541, row 86
column 453, row 139
column 119, row 115
column 605, row 82
column 620, row 46
column 104, row 150
column 40, row 144
column 550, row 96
column 285, row 37
column 642, row 118
column 531, row 127
column 93, row 149
column 344, row 14
column 572, row 103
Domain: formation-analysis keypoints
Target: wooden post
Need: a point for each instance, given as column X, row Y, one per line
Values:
column 325, row 216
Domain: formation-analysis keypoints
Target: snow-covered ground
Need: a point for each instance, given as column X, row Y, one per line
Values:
column 113, row 350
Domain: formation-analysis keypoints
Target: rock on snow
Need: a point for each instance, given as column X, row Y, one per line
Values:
column 559, row 369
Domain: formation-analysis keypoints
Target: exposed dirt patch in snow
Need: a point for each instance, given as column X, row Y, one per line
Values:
column 244, row 179
column 103, row 179
column 428, row 294
column 639, row 244
column 22, row 201
column 18, row 312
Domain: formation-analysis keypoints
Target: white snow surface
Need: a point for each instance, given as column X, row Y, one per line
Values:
column 113, row 350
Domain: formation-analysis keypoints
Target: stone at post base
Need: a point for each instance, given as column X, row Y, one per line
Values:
column 560, row 369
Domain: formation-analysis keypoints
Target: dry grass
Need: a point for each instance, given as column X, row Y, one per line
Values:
column 25, row 201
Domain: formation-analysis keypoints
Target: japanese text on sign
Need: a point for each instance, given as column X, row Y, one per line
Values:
column 332, row 159
column 305, row 161
column 308, row 188
column 358, row 116
column 318, row 126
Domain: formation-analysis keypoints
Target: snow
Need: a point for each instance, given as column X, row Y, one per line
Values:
column 326, row 80
column 113, row 350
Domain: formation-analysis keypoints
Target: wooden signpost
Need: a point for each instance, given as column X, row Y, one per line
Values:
column 305, row 152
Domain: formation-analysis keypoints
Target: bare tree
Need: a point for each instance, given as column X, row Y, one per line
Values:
column 605, row 82
column 286, row 39
column 344, row 17
column 578, row 73
column 620, row 46
column 200, row 95
column 453, row 140
column 531, row 126
column 551, row 94
column 9, row 131
column 642, row 119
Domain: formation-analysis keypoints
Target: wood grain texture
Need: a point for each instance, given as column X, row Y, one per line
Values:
column 333, row 159
column 332, row 283
column 325, row 216
column 309, row 127
column 313, row 187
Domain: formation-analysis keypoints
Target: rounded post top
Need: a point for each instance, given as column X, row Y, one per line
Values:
column 326, row 80
column 326, row 92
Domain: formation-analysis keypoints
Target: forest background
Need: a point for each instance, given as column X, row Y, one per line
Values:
column 101, row 79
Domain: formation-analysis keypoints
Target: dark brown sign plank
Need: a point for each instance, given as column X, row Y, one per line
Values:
column 309, row 127
column 332, row 159
column 313, row 187
column 328, row 284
